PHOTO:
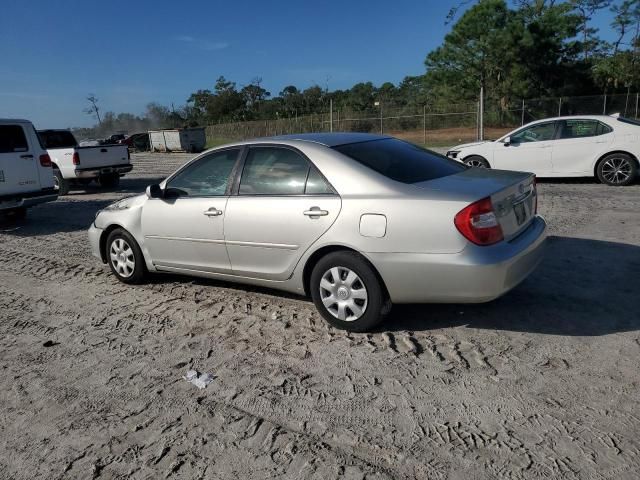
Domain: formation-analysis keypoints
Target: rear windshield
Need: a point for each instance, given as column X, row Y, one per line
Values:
column 401, row 161
column 57, row 139
column 629, row 120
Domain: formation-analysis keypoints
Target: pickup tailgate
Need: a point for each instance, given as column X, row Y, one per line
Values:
column 513, row 194
column 102, row 156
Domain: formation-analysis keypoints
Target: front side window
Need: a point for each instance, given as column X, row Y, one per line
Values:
column 12, row 139
column 207, row 177
column 537, row 133
column 273, row 171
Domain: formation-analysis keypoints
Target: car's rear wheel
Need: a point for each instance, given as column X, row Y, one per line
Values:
column 347, row 292
column 125, row 257
column 60, row 183
column 110, row 180
column 617, row 169
column 476, row 161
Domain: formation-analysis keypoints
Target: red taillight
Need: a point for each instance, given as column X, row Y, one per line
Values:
column 45, row 160
column 478, row 223
column 76, row 158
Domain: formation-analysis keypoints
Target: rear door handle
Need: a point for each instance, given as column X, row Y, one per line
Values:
column 212, row 212
column 315, row 212
column 26, row 156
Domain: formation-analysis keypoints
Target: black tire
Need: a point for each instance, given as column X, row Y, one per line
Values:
column 61, row 183
column 111, row 180
column 476, row 161
column 617, row 169
column 377, row 304
column 113, row 246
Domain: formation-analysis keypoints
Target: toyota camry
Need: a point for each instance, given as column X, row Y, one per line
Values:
column 357, row 222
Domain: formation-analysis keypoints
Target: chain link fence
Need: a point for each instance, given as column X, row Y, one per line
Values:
column 431, row 125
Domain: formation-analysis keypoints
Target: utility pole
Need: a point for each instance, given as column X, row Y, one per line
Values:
column 637, row 94
column 522, row 120
column 604, row 107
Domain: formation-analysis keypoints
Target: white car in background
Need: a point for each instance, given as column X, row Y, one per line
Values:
column 607, row 147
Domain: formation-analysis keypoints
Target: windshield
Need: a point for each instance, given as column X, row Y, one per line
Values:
column 401, row 161
column 57, row 139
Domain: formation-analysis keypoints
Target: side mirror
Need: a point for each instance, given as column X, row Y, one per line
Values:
column 154, row 191
column 507, row 141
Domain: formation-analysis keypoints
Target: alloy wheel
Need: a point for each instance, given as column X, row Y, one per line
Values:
column 343, row 294
column 476, row 163
column 616, row 170
column 122, row 257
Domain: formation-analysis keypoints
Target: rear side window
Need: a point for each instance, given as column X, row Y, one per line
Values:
column 273, row 171
column 400, row 161
column 57, row 139
column 582, row 128
column 12, row 139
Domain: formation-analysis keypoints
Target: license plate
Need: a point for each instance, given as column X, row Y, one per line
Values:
column 521, row 213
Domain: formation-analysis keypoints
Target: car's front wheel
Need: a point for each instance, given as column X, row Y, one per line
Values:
column 476, row 161
column 348, row 293
column 617, row 169
column 125, row 257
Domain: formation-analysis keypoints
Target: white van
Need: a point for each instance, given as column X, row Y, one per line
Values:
column 26, row 175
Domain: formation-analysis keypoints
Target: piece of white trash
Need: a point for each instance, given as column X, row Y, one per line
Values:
column 200, row 381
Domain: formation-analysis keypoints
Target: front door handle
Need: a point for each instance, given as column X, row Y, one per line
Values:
column 315, row 212
column 212, row 212
column 26, row 156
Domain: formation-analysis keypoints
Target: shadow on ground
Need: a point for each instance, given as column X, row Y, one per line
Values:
column 582, row 288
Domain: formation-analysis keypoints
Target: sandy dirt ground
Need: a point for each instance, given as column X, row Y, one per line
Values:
column 542, row 383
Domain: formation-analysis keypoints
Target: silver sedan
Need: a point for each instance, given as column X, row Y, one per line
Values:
column 356, row 221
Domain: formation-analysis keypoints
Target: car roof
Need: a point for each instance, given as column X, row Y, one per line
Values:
column 605, row 118
column 332, row 139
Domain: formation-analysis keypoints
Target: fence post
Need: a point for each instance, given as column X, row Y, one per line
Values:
column 637, row 94
column 481, row 113
column 424, row 125
column 331, row 113
column 381, row 126
column 560, row 107
column 522, row 120
column 478, row 121
column 604, row 107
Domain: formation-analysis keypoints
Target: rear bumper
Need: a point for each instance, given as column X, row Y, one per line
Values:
column 30, row 199
column 475, row 275
column 96, row 172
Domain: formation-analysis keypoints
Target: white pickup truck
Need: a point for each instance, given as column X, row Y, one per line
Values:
column 26, row 178
column 73, row 164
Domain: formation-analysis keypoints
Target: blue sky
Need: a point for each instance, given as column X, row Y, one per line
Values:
column 130, row 53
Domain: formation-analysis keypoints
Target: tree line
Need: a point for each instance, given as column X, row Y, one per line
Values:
column 536, row 48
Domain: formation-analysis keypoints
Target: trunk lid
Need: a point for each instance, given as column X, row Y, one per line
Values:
column 513, row 194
